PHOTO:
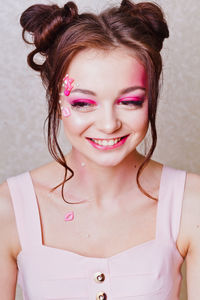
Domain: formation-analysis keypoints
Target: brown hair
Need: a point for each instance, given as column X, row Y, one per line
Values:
column 58, row 34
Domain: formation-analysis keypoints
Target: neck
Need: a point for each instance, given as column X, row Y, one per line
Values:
column 101, row 184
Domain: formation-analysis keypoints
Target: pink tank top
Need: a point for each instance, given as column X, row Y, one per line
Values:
column 149, row 271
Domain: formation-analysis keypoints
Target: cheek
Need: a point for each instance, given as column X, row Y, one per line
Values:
column 76, row 123
column 140, row 124
column 138, row 121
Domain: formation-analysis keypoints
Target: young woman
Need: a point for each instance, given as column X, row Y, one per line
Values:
column 103, row 221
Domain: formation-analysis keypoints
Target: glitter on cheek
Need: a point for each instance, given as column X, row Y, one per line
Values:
column 68, row 85
column 66, row 112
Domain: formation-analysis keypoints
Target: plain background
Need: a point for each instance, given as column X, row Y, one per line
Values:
column 23, row 107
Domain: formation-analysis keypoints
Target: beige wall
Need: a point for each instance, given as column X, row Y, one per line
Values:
column 22, row 97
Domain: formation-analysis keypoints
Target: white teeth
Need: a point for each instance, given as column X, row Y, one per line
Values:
column 107, row 142
column 110, row 143
column 104, row 143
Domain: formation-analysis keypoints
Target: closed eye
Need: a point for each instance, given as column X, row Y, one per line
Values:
column 137, row 103
column 82, row 105
column 131, row 101
column 79, row 103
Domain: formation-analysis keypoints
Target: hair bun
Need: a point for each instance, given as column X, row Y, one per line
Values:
column 44, row 22
column 150, row 16
column 70, row 8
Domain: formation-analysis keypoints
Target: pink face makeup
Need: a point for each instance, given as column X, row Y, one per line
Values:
column 66, row 112
column 108, row 147
column 131, row 100
column 83, row 105
column 104, row 128
column 68, row 85
column 69, row 216
column 80, row 101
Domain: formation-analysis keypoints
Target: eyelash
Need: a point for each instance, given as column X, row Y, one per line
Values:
column 83, row 105
column 131, row 102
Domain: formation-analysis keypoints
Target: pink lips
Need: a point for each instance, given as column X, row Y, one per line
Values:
column 101, row 147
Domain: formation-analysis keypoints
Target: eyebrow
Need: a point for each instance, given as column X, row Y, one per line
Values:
column 131, row 89
column 83, row 91
column 123, row 91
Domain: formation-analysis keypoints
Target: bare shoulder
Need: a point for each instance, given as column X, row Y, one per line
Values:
column 191, row 213
column 48, row 175
column 8, row 230
column 193, row 184
column 192, row 200
column 9, row 245
column 6, row 211
column 191, row 233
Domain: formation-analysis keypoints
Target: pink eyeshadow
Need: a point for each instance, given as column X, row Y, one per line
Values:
column 129, row 99
column 83, row 100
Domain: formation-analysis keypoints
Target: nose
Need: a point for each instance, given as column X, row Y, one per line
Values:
column 108, row 121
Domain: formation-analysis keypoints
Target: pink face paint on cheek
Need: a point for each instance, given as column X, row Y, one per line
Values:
column 66, row 112
column 68, row 85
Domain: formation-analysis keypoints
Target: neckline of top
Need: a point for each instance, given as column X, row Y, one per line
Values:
column 123, row 252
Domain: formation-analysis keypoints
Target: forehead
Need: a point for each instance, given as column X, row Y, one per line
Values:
column 118, row 67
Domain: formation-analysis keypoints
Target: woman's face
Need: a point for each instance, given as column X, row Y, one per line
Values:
column 108, row 105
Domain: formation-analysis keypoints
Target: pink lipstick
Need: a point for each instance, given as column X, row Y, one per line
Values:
column 107, row 144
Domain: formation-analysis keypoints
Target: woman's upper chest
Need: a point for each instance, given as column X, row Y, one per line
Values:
column 97, row 232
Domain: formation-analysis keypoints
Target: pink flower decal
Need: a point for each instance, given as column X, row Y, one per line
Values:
column 68, row 85
column 69, row 216
column 66, row 112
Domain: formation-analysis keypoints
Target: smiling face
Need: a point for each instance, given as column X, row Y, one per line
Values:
column 109, row 107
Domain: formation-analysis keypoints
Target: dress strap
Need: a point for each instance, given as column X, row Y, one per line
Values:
column 26, row 210
column 171, row 194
